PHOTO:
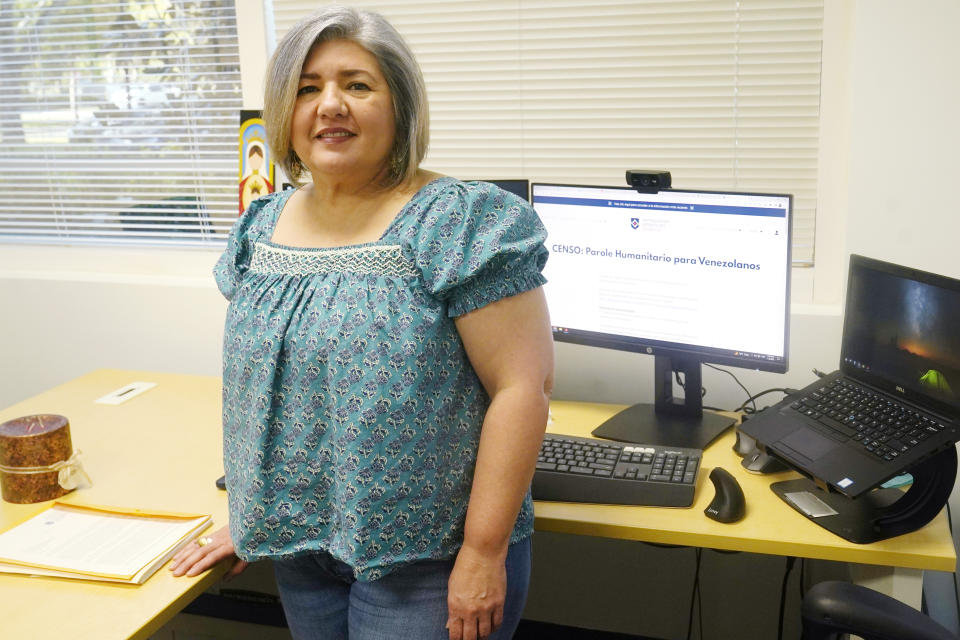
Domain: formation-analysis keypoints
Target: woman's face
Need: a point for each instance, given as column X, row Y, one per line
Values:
column 343, row 122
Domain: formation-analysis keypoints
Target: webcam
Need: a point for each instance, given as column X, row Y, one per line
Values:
column 648, row 181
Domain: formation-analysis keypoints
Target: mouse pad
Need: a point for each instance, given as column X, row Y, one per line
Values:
column 809, row 444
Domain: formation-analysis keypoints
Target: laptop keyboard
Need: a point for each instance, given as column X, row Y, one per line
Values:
column 848, row 411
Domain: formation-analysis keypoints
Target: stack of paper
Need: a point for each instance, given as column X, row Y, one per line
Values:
column 97, row 543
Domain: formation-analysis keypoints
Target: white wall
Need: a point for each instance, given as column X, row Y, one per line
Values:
column 67, row 311
column 905, row 134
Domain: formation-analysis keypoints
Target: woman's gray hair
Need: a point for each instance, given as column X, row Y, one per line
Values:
column 397, row 63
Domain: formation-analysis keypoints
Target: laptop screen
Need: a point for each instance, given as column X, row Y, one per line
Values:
column 900, row 333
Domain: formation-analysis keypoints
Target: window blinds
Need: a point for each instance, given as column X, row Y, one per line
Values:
column 723, row 94
column 118, row 121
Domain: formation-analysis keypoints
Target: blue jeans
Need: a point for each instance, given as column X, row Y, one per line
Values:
column 323, row 601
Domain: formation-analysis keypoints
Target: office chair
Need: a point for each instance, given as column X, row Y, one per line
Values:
column 833, row 608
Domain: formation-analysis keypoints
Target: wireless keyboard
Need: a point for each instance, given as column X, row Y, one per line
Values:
column 572, row 469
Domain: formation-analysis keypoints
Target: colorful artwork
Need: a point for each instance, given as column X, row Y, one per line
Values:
column 256, row 165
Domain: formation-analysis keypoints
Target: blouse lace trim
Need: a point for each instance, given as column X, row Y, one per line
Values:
column 382, row 260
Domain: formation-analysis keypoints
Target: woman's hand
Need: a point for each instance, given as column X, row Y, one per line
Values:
column 194, row 559
column 475, row 594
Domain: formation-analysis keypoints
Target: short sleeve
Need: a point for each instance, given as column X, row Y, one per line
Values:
column 478, row 244
column 233, row 263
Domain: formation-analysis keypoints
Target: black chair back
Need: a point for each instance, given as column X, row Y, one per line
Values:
column 832, row 609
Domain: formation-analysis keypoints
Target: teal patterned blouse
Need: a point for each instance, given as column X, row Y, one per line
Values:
column 351, row 415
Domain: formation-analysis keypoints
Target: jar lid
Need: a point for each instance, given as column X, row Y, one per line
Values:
column 34, row 425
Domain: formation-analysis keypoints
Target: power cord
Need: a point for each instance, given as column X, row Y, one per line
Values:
column 803, row 582
column 743, row 407
column 735, row 379
column 783, row 594
column 956, row 594
column 683, row 385
column 695, row 597
column 751, row 399
column 803, row 578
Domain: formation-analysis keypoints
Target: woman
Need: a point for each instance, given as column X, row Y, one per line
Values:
column 387, row 360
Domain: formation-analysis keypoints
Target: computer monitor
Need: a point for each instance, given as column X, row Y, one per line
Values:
column 517, row 187
column 689, row 277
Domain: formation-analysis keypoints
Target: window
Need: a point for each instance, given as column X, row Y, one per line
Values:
column 725, row 95
column 118, row 121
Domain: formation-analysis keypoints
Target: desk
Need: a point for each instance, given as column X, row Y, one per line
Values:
column 892, row 566
column 159, row 450
column 162, row 450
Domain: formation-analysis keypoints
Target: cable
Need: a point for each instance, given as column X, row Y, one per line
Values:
column 737, row 380
column 683, row 384
column 783, row 594
column 699, row 608
column 664, row 545
column 803, row 578
column 956, row 593
column 750, row 398
column 693, row 597
column 750, row 410
column 803, row 586
column 743, row 407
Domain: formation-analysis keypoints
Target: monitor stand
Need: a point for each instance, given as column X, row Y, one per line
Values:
column 670, row 421
column 882, row 513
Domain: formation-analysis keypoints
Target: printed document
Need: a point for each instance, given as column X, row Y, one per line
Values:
column 96, row 543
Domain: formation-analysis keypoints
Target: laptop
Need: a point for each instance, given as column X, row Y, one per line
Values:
column 894, row 402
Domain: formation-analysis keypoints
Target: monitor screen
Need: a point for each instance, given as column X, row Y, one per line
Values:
column 693, row 276
column 900, row 335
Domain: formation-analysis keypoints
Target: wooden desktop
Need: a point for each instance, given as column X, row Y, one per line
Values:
column 770, row 526
column 159, row 450
column 162, row 450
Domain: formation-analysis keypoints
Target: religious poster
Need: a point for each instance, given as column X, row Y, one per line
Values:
column 256, row 166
